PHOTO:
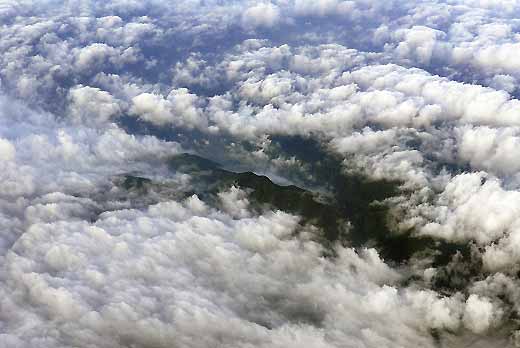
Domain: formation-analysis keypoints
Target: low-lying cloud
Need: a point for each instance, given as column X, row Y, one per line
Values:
column 422, row 93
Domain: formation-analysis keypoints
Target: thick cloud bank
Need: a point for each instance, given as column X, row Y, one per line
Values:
column 419, row 93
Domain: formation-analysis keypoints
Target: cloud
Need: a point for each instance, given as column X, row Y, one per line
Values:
column 92, row 105
column 243, row 280
column 472, row 207
column 421, row 43
column 7, row 151
column 96, row 55
column 179, row 108
column 322, row 7
column 479, row 314
column 261, row 15
column 419, row 92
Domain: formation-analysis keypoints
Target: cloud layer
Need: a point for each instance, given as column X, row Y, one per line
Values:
column 420, row 92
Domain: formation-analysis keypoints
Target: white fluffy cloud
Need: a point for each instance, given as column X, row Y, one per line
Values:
column 179, row 108
column 479, row 314
column 162, row 275
column 261, row 15
column 92, row 105
column 423, row 92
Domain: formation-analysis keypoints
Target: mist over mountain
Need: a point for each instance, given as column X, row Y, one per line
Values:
column 278, row 173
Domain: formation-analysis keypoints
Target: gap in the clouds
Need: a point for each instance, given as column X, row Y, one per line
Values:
column 366, row 203
column 179, row 47
column 348, row 208
column 217, row 147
